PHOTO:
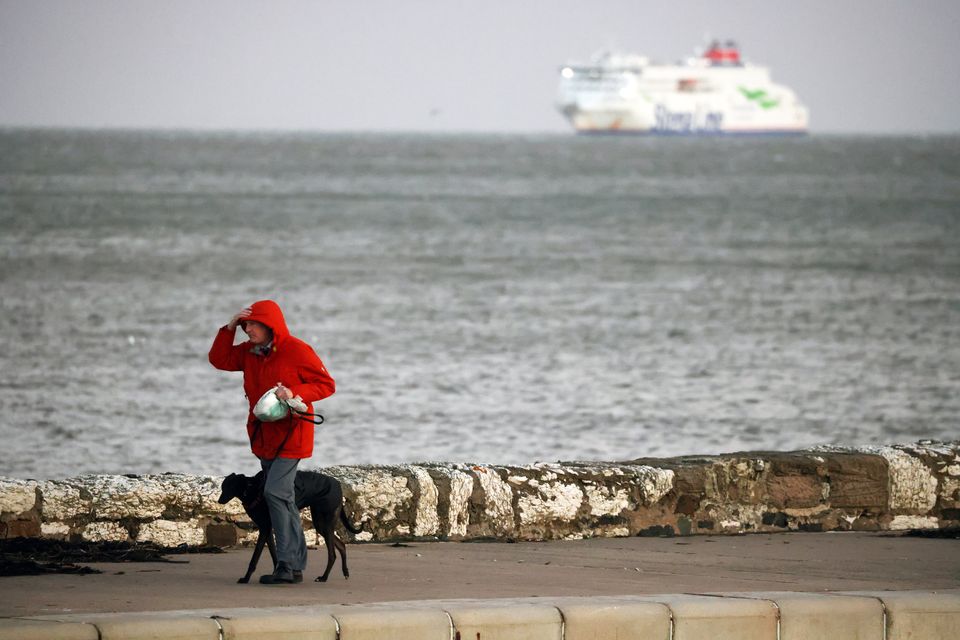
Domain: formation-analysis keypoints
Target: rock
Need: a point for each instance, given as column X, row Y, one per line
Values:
column 378, row 497
column 22, row 528
column 17, row 497
column 606, row 500
column 902, row 523
column 550, row 502
column 63, row 501
column 858, row 481
column 426, row 520
column 913, row 488
column 167, row 533
column 105, row 532
column 118, row 497
column 54, row 530
column 491, row 504
column 795, row 482
column 222, row 534
column 454, row 488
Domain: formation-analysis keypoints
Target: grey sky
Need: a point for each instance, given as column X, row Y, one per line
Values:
column 878, row 66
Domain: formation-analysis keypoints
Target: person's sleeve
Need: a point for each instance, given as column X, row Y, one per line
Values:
column 316, row 383
column 223, row 354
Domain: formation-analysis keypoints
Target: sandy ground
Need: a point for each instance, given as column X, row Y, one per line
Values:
column 435, row 570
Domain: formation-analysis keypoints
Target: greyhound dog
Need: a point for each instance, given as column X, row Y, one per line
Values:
column 320, row 492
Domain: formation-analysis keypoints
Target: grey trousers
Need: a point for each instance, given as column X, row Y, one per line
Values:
column 287, row 527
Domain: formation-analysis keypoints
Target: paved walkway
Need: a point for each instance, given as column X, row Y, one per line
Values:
column 436, row 570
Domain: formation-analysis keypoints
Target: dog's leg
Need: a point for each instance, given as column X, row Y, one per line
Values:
column 342, row 548
column 323, row 523
column 331, row 555
column 328, row 539
column 263, row 537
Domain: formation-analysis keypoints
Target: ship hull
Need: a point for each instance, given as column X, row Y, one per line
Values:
column 749, row 133
column 628, row 95
column 665, row 119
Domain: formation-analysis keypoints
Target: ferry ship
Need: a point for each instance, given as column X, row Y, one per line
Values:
column 713, row 93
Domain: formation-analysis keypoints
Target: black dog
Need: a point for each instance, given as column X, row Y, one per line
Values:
column 320, row 492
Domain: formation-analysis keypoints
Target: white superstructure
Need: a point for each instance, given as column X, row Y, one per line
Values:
column 714, row 93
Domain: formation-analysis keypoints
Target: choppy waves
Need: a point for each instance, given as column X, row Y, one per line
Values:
column 503, row 299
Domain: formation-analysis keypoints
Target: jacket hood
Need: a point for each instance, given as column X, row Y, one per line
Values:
column 268, row 312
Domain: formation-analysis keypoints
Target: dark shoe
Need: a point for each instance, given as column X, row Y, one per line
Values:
column 297, row 576
column 281, row 575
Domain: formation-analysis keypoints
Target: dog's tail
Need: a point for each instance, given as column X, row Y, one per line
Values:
column 349, row 525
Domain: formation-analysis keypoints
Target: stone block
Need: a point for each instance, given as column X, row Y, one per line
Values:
column 17, row 496
column 690, row 484
column 950, row 492
column 20, row 528
column 426, row 521
column 550, row 501
column 221, row 534
column 169, row 533
column 920, row 615
column 495, row 501
column 187, row 495
column 104, row 532
column 116, row 497
column 794, row 491
column 913, row 487
column 155, row 627
column 814, row 616
column 857, row 481
column 606, row 500
column 905, row 523
column 454, row 488
column 794, row 481
column 54, row 530
column 720, row 618
column 374, row 623
column 379, row 497
column 506, row 621
column 62, row 500
column 14, row 629
column 273, row 625
column 621, row 618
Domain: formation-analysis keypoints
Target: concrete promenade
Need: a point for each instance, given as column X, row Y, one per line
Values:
column 802, row 562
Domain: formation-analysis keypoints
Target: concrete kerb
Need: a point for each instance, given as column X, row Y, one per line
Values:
column 918, row 614
column 715, row 616
column 614, row 617
column 25, row 629
column 811, row 616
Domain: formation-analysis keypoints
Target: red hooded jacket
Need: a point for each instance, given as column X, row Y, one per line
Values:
column 290, row 361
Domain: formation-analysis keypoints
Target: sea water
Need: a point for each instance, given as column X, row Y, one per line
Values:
column 487, row 299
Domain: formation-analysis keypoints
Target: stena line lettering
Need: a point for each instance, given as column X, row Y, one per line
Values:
column 684, row 122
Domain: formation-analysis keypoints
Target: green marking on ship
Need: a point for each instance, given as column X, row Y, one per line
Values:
column 760, row 97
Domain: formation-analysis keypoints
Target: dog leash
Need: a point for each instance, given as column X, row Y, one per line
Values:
column 306, row 416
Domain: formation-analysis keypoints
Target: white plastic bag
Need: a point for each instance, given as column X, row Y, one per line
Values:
column 270, row 408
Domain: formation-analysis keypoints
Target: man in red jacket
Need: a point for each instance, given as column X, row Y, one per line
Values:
column 271, row 357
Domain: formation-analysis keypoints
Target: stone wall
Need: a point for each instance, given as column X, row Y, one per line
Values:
column 825, row 489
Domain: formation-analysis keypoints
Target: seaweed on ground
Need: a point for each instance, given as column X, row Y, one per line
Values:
column 34, row 556
column 948, row 532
